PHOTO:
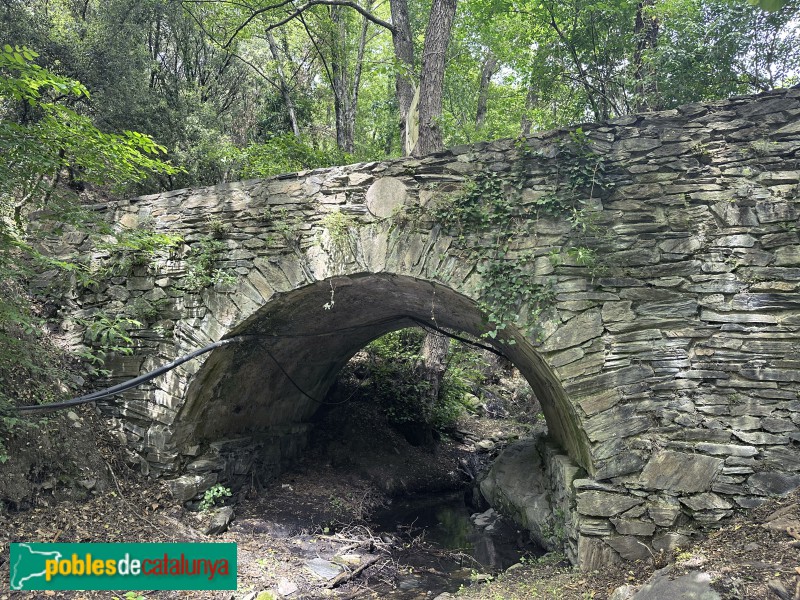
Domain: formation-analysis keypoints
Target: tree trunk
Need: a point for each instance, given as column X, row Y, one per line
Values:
column 488, row 69
column 285, row 92
column 431, row 83
column 531, row 100
column 356, row 84
column 340, row 81
column 431, row 370
column 404, row 52
column 645, row 30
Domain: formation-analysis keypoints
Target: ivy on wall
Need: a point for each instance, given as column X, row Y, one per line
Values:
column 488, row 215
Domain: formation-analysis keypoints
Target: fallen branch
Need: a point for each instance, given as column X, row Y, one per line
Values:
column 348, row 575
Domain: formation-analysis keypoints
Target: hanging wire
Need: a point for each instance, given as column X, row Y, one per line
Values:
column 141, row 379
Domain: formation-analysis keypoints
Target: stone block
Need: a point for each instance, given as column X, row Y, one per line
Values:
column 186, row 487
column 629, row 547
column 617, row 422
column 594, row 554
column 759, row 438
column 664, row 512
column 600, row 527
column 582, row 328
column 680, row 472
column 385, row 196
column 604, row 504
column 586, row 386
column 727, row 449
column 705, row 501
column 633, row 527
column 773, row 484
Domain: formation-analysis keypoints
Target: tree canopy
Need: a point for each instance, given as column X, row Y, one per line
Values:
column 251, row 88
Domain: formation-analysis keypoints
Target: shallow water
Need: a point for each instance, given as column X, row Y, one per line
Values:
column 444, row 521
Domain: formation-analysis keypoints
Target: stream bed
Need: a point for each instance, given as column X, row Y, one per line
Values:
column 454, row 547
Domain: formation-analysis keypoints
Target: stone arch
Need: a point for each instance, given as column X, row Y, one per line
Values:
column 298, row 346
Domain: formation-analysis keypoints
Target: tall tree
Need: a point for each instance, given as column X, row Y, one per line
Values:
column 431, row 81
column 488, row 69
column 404, row 69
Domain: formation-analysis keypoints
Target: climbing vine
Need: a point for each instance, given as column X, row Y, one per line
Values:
column 488, row 214
column 201, row 266
column 133, row 248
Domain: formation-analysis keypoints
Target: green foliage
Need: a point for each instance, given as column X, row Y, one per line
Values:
column 217, row 226
column 43, row 136
column 286, row 225
column 130, row 596
column 135, row 248
column 201, row 266
column 480, row 206
column 105, row 334
column 464, row 372
column 769, row 5
column 393, row 372
column 32, row 368
column 212, row 495
column 507, row 286
column 50, row 137
column 338, row 225
column 285, row 154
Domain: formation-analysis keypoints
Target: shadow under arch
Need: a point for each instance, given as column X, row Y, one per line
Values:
column 302, row 339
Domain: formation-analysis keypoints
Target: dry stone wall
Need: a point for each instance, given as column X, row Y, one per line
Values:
column 667, row 366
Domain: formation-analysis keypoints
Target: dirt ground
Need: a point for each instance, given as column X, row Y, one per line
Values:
column 318, row 509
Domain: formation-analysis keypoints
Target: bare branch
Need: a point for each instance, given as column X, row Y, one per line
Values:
column 296, row 13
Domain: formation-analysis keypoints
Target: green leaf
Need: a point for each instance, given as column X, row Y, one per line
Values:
column 771, row 5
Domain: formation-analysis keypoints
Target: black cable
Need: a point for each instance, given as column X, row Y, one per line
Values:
column 458, row 338
column 137, row 381
column 131, row 383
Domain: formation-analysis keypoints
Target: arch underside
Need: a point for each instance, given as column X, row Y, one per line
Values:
column 302, row 339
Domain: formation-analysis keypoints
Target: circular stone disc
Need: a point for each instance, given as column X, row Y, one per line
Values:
column 385, row 196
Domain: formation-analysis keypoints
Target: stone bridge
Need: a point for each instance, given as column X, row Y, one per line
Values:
column 643, row 275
